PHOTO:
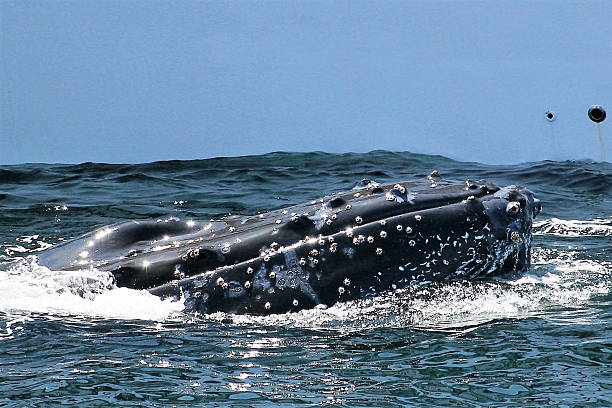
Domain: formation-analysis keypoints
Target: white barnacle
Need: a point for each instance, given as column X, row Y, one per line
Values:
column 267, row 306
column 328, row 222
column 379, row 251
column 418, row 217
column 358, row 220
column 399, row 227
column 349, row 232
column 249, row 270
column 278, row 221
column 302, row 261
column 516, row 237
column 333, row 247
column 411, row 242
column 295, row 302
column 370, row 239
column 272, row 275
column 314, row 252
column 470, row 198
column 408, row 230
column 315, row 261
column 357, row 195
column 348, row 206
column 341, row 290
column 390, row 197
column 347, row 282
column 383, row 234
column 321, row 241
column 220, row 281
column 247, row 284
column 513, row 208
column 330, row 239
column 383, row 222
column 225, row 285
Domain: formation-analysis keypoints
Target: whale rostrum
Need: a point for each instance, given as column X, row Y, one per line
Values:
column 341, row 247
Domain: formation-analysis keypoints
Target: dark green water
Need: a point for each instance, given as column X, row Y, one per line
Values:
column 72, row 338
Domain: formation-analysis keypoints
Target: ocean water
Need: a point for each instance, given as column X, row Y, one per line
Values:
column 540, row 338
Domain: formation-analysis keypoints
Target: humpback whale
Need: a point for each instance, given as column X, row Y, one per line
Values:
column 340, row 247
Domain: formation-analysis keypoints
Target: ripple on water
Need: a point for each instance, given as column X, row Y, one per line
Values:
column 73, row 338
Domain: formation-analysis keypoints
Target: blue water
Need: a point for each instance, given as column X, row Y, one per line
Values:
column 73, row 338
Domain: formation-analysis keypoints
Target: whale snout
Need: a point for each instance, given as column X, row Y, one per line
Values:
column 515, row 224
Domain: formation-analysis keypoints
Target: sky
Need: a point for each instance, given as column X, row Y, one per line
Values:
column 139, row 81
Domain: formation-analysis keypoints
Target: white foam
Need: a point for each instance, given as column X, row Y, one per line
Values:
column 27, row 287
column 558, row 282
column 574, row 228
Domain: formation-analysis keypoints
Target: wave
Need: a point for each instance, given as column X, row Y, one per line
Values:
column 574, row 228
column 577, row 175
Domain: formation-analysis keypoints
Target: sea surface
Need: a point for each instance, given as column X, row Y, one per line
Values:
column 540, row 338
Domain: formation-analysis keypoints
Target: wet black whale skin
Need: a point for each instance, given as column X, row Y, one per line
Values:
column 340, row 247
